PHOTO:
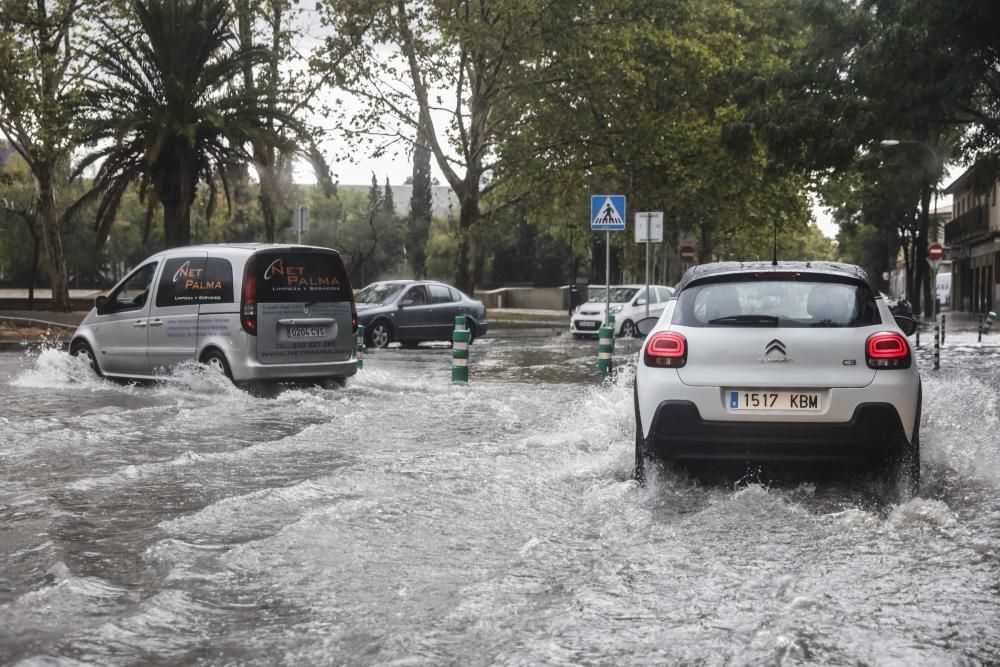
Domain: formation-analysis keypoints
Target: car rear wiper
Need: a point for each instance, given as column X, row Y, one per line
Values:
column 747, row 320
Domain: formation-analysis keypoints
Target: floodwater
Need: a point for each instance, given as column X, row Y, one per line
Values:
column 403, row 520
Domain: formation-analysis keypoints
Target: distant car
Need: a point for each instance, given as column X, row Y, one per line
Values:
column 254, row 312
column 755, row 362
column 942, row 286
column 628, row 305
column 414, row 311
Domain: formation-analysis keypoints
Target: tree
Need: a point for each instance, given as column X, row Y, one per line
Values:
column 284, row 88
column 41, row 76
column 467, row 55
column 640, row 100
column 166, row 112
column 419, row 222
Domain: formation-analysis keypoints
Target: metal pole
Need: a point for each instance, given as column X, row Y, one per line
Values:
column 647, row 263
column 937, row 345
column 607, row 275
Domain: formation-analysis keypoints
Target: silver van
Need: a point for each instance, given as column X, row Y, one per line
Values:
column 251, row 311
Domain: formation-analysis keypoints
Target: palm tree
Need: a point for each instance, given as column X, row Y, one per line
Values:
column 166, row 111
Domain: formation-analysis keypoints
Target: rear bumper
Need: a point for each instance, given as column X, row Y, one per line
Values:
column 680, row 433
column 252, row 370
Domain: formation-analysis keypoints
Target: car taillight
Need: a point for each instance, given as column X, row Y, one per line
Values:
column 666, row 350
column 888, row 350
column 354, row 318
column 248, row 305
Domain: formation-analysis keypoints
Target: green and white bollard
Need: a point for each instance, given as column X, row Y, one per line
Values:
column 460, row 351
column 360, row 342
column 937, row 345
column 985, row 324
column 605, row 350
column 943, row 322
column 606, row 347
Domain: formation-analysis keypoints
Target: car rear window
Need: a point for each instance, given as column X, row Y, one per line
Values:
column 796, row 301
column 299, row 277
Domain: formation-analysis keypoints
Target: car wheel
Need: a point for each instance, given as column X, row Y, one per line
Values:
column 640, row 443
column 628, row 329
column 81, row 348
column 379, row 334
column 216, row 361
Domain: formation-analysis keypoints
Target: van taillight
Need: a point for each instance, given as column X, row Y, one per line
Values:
column 666, row 350
column 354, row 318
column 888, row 350
column 248, row 305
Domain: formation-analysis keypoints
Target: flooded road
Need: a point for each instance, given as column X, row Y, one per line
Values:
column 406, row 521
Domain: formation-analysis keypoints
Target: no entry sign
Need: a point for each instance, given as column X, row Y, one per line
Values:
column 935, row 251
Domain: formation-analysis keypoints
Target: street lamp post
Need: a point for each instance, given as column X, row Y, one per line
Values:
column 924, row 211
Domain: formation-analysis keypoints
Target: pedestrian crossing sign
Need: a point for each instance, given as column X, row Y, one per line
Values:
column 607, row 212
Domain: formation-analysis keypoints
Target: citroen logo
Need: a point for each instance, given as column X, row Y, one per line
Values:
column 774, row 353
column 305, row 310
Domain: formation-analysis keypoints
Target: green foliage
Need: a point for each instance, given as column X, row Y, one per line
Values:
column 166, row 113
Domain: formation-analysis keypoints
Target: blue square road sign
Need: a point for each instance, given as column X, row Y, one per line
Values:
column 607, row 212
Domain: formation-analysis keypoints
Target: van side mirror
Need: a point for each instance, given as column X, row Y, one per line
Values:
column 908, row 325
column 645, row 325
column 101, row 303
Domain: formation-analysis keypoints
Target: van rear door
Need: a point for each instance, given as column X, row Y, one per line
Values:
column 304, row 306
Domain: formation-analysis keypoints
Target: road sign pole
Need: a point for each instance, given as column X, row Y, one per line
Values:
column 648, row 235
column 607, row 276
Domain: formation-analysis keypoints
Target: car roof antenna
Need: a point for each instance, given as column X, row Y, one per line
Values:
column 774, row 262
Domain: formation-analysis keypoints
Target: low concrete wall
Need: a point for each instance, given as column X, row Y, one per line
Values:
column 530, row 298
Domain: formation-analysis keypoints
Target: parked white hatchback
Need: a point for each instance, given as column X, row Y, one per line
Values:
column 628, row 305
column 787, row 361
column 251, row 311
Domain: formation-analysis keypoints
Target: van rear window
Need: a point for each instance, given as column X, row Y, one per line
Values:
column 187, row 281
column 299, row 277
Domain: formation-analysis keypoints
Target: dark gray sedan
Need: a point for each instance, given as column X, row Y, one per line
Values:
column 414, row 311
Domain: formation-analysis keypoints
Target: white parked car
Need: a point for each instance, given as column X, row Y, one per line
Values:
column 628, row 305
column 794, row 361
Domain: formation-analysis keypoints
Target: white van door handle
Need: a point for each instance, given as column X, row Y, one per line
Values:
column 156, row 323
column 139, row 325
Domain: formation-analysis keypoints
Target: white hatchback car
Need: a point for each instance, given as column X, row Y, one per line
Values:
column 628, row 305
column 788, row 361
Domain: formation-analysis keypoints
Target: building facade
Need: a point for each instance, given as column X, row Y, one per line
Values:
column 973, row 242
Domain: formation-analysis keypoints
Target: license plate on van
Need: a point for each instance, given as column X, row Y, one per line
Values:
column 306, row 332
column 755, row 399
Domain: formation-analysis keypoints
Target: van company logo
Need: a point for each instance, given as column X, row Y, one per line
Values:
column 295, row 276
column 194, row 278
column 276, row 268
column 775, row 353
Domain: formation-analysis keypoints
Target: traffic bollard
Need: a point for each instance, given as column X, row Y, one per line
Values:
column 985, row 323
column 943, row 327
column 360, row 341
column 605, row 350
column 918, row 335
column 937, row 345
column 460, row 351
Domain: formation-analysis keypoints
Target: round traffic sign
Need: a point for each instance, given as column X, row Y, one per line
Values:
column 687, row 253
column 935, row 251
